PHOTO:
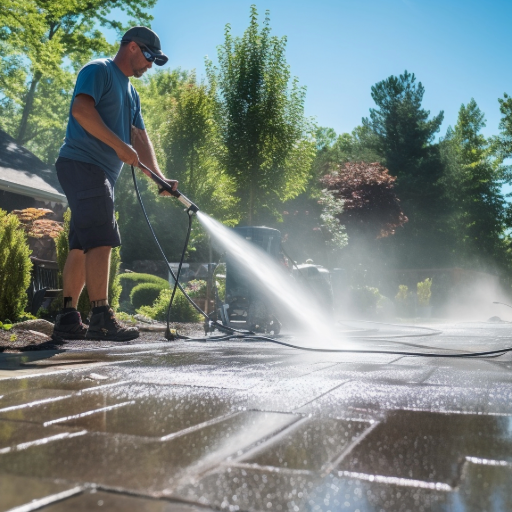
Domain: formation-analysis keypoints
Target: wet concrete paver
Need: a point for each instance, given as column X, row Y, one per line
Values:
column 311, row 446
column 16, row 491
column 160, row 411
column 142, row 466
column 180, row 426
column 68, row 407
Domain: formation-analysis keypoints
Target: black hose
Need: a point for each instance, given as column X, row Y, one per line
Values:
column 174, row 276
column 168, row 333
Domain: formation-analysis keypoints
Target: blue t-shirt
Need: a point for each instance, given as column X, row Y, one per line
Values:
column 117, row 103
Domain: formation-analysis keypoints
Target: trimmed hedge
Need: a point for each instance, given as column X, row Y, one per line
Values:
column 182, row 310
column 131, row 279
column 145, row 294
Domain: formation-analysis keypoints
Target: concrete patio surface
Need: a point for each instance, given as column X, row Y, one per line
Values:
column 154, row 425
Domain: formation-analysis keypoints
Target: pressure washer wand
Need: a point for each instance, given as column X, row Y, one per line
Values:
column 191, row 207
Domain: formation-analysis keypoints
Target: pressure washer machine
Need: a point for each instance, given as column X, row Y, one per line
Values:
column 246, row 304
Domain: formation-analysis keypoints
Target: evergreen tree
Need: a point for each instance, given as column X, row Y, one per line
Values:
column 473, row 183
column 400, row 130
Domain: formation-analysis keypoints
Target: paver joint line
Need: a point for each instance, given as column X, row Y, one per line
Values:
column 199, row 426
column 323, row 394
column 271, row 469
column 86, row 413
column 350, row 447
column 47, row 500
column 37, row 442
column 271, row 440
column 489, row 462
column 404, row 482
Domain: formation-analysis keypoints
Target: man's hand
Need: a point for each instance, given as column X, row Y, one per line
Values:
column 128, row 155
column 172, row 183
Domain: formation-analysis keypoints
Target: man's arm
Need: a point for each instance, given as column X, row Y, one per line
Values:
column 144, row 148
column 84, row 111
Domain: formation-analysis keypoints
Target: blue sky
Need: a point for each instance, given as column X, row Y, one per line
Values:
column 458, row 49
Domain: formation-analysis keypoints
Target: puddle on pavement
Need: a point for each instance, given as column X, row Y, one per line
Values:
column 155, row 466
column 311, row 446
column 14, row 361
column 429, row 447
column 159, row 411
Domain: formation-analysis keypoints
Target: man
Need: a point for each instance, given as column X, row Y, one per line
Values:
column 105, row 129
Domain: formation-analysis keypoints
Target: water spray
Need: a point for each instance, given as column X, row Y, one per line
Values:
column 231, row 333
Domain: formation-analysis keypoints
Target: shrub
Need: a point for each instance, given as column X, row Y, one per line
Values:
column 15, row 267
column 114, row 287
column 145, row 294
column 196, row 289
column 403, row 293
column 130, row 280
column 182, row 310
column 424, row 292
column 365, row 299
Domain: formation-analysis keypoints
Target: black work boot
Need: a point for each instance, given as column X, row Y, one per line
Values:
column 103, row 325
column 69, row 326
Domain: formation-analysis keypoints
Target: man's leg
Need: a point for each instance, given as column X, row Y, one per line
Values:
column 68, row 324
column 97, row 265
column 103, row 324
column 73, row 275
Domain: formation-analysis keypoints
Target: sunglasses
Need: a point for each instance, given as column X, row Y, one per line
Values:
column 148, row 56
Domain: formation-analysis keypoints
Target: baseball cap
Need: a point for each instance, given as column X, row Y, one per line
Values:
column 146, row 37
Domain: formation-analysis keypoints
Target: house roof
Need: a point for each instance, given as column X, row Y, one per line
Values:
column 21, row 172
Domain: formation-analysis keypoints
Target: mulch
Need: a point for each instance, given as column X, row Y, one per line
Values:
column 21, row 340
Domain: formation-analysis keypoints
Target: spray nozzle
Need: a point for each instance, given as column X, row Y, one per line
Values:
column 191, row 207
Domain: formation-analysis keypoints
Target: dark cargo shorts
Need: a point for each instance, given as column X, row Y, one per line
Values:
column 91, row 200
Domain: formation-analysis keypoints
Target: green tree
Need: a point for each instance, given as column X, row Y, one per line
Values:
column 194, row 152
column 178, row 114
column 473, row 180
column 261, row 119
column 42, row 45
column 334, row 150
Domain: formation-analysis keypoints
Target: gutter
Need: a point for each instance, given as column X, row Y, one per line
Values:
column 38, row 194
